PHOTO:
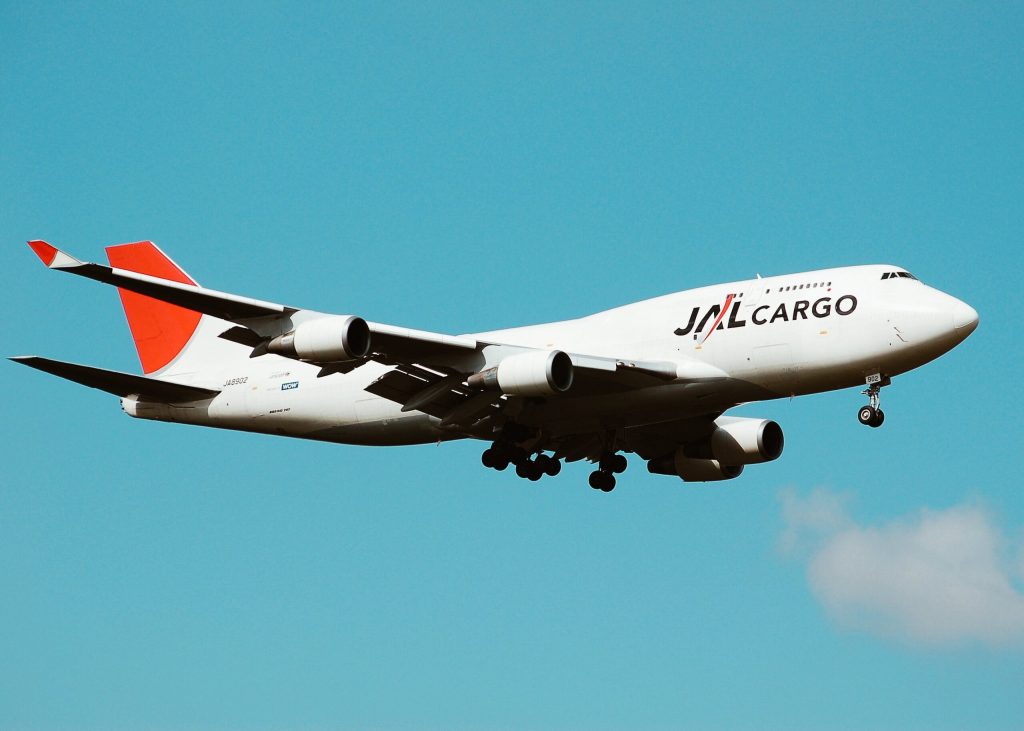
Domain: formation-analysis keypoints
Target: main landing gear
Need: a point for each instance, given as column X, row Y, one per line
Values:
column 603, row 478
column 501, row 454
column 872, row 414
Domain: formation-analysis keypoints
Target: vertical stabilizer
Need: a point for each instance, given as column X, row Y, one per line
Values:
column 160, row 330
column 169, row 339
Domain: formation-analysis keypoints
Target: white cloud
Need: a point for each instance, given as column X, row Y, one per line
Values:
column 938, row 577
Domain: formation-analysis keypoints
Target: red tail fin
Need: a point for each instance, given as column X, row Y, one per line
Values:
column 160, row 330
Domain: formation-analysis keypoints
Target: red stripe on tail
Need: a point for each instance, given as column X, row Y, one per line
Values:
column 160, row 330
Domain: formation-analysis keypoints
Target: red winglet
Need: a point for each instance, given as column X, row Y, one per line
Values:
column 44, row 251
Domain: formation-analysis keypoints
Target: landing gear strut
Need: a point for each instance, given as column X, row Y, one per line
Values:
column 872, row 414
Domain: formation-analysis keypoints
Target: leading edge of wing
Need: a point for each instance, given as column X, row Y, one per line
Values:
column 259, row 320
column 116, row 382
column 226, row 306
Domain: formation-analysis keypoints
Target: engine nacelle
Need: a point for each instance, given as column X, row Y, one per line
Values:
column 734, row 442
column 693, row 470
column 538, row 373
column 739, row 441
column 325, row 340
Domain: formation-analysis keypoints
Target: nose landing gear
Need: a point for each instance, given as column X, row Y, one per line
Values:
column 872, row 414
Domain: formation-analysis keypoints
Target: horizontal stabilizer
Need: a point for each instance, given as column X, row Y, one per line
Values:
column 117, row 383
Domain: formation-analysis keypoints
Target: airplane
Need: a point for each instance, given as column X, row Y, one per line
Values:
column 654, row 378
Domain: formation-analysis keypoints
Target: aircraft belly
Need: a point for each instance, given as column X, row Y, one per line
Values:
column 645, row 406
column 410, row 428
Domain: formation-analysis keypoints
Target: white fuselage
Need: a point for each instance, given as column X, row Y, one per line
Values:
column 776, row 336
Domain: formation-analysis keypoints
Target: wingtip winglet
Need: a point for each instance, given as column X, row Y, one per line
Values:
column 53, row 257
column 44, row 251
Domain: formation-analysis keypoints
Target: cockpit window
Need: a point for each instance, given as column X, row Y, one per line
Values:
column 903, row 275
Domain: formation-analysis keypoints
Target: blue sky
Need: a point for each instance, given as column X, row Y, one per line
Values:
column 468, row 167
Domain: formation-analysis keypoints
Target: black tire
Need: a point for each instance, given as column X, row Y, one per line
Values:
column 488, row 458
column 552, row 467
column 879, row 418
column 595, row 479
column 619, row 463
column 535, row 472
column 866, row 415
column 523, row 469
column 502, row 464
column 607, row 482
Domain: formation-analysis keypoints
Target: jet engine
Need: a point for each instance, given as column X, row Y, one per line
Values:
column 325, row 340
column 693, row 470
column 537, row 373
column 738, row 440
column 734, row 442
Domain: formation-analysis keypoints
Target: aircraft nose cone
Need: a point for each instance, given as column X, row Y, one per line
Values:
column 965, row 318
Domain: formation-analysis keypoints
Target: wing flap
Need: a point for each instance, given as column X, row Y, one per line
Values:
column 444, row 396
column 117, row 383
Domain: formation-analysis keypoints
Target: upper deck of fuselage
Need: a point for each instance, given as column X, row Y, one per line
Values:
column 818, row 282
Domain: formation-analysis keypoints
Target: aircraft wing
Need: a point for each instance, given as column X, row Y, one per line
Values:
column 257, row 321
column 188, row 295
column 430, row 370
column 446, row 394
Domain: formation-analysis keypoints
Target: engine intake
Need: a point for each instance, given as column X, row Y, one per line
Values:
column 325, row 340
column 737, row 440
column 733, row 443
column 538, row 373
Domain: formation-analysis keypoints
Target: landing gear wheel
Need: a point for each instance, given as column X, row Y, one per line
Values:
column 495, row 458
column 871, row 415
column 618, row 463
column 603, row 481
column 530, row 470
column 548, row 465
